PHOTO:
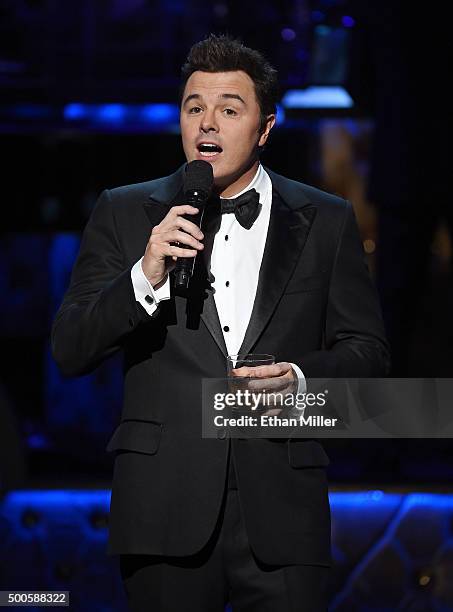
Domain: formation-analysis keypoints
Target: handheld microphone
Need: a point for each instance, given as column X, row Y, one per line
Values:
column 197, row 185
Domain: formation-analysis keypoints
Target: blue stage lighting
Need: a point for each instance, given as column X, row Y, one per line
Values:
column 348, row 21
column 75, row 111
column 288, row 34
column 160, row 113
column 280, row 119
column 318, row 97
column 111, row 113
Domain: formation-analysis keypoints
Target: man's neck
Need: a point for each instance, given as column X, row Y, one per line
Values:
column 240, row 184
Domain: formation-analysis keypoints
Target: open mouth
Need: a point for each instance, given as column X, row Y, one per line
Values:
column 209, row 149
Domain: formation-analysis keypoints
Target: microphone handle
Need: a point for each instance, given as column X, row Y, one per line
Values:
column 184, row 265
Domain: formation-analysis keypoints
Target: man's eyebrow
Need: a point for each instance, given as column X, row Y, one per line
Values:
column 231, row 96
column 224, row 96
column 193, row 96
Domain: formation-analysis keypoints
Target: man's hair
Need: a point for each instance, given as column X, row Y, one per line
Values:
column 225, row 54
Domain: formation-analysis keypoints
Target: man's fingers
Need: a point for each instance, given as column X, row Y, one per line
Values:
column 276, row 383
column 173, row 237
column 174, row 220
column 272, row 412
column 275, row 378
column 183, row 209
column 189, row 227
column 174, row 244
column 264, row 371
column 183, row 238
column 172, row 250
column 175, row 251
column 178, row 223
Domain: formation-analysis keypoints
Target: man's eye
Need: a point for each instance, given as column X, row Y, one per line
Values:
column 230, row 111
column 194, row 110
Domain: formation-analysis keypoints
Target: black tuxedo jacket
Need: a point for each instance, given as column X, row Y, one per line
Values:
column 315, row 306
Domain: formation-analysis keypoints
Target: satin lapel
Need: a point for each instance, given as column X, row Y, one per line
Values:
column 156, row 211
column 209, row 315
column 287, row 234
column 210, row 318
column 166, row 193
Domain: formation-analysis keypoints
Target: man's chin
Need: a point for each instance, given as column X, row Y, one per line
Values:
column 221, row 182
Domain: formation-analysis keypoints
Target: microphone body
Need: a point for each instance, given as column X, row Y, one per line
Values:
column 184, row 265
column 198, row 181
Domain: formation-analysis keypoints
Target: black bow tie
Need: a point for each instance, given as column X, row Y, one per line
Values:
column 246, row 207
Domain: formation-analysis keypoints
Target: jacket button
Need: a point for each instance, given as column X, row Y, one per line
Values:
column 221, row 434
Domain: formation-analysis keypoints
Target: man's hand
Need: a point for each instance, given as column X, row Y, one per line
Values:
column 278, row 378
column 161, row 253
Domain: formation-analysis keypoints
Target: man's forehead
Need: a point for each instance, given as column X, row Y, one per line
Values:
column 218, row 83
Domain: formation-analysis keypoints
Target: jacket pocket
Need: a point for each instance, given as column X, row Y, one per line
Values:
column 306, row 453
column 139, row 436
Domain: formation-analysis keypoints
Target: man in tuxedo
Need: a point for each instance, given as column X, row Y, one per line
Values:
column 199, row 522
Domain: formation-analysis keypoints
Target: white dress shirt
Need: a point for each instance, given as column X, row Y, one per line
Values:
column 236, row 258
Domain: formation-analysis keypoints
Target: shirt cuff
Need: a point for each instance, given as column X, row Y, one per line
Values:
column 300, row 377
column 144, row 292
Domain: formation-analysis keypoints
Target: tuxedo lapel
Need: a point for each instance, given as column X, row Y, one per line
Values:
column 209, row 315
column 210, row 318
column 166, row 193
column 287, row 234
column 155, row 211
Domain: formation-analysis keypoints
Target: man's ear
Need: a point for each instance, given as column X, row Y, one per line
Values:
column 270, row 121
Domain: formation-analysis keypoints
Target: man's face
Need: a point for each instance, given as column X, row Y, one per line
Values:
column 220, row 120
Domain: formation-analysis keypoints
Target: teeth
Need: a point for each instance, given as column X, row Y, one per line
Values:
column 208, row 153
column 208, row 147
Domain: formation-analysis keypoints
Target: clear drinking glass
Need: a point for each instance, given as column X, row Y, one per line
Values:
column 238, row 384
column 249, row 360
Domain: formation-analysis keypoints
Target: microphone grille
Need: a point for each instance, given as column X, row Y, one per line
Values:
column 198, row 176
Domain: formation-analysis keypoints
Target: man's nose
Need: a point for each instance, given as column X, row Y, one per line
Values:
column 208, row 122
